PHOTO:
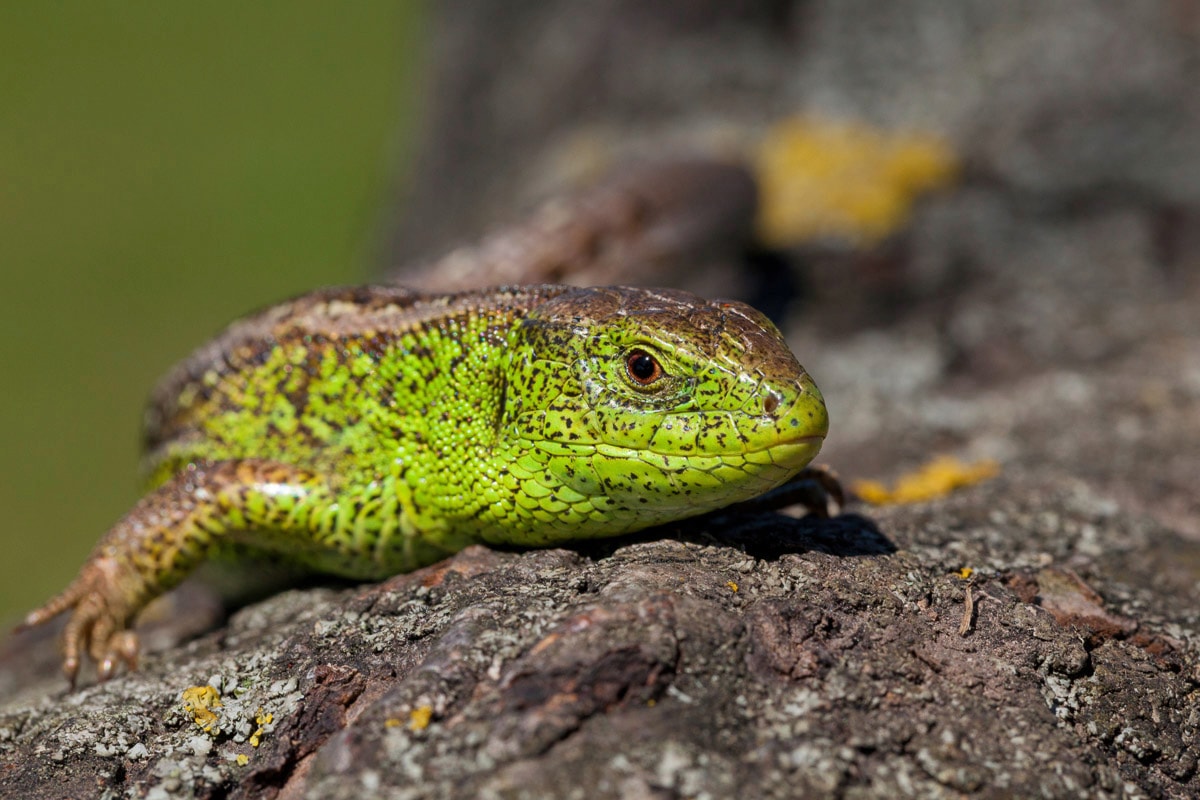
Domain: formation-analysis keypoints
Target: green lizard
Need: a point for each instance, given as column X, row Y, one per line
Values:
column 368, row 431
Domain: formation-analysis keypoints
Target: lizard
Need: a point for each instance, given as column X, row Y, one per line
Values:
column 368, row 431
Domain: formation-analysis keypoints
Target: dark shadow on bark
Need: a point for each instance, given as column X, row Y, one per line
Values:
column 763, row 535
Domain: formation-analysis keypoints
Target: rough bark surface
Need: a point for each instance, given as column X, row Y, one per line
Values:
column 1043, row 313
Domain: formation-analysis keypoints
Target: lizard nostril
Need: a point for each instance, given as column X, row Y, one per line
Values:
column 770, row 403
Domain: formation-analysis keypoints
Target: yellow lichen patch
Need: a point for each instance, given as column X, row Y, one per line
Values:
column 838, row 180
column 936, row 479
column 242, row 759
column 199, row 702
column 965, row 573
column 392, row 722
column 262, row 720
column 733, row 587
column 418, row 718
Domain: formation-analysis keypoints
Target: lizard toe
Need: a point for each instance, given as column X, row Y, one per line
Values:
column 60, row 603
column 77, row 635
column 817, row 486
column 120, row 649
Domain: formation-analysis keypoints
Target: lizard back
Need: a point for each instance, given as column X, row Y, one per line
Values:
column 272, row 366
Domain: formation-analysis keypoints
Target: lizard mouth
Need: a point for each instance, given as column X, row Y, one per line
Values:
column 792, row 454
column 812, row 438
column 809, row 440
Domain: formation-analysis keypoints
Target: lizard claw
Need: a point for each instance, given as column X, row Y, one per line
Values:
column 122, row 648
column 99, row 602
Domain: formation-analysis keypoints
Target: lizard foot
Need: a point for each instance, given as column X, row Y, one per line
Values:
column 98, row 625
column 813, row 488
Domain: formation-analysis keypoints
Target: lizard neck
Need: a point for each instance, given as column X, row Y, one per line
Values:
column 446, row 436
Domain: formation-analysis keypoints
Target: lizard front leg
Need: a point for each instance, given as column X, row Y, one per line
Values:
column 167, row 534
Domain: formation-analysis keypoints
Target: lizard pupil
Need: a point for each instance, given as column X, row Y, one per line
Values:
column 643, row 368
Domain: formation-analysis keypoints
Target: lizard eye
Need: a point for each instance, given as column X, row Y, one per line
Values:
column 642, row 367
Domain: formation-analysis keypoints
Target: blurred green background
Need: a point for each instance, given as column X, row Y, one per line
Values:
column 165, row 168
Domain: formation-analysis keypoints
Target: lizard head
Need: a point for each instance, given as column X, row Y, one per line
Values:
column 632, row 407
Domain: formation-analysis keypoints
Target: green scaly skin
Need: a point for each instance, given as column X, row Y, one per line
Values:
column 365, row 432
